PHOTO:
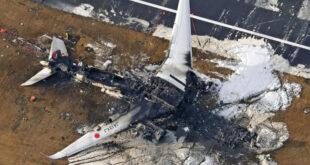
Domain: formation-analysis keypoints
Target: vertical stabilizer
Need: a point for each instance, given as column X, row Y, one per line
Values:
column 179, row 60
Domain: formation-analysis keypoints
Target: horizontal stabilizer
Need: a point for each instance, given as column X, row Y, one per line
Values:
column 58, row 44
column 43, row 74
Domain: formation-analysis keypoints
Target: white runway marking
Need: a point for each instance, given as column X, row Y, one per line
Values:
column 227, row 26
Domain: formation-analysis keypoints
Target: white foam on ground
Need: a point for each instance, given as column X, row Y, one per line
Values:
column 266, row 160
column 253, row 92
column 279, row 99
column 152, row 67
column 233, row 111
column 84, row 9
column 253, row 76
column 104, row 18
column 267, row 4
column 221, row 47
column 131, row 20
column 304, row 12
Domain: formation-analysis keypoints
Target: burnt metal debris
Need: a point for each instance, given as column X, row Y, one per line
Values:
column 157, row 98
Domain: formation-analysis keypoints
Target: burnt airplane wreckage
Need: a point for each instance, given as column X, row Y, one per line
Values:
column 176, row 91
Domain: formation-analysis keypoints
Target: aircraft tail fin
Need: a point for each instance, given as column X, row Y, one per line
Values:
column 58, row 58
column 179, row 60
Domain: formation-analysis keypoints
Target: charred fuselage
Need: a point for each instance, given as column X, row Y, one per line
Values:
column 157, row 98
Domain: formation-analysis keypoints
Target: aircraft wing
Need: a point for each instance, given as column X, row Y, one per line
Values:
column 179, row 60
column 94, row 137
column 43, row 74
